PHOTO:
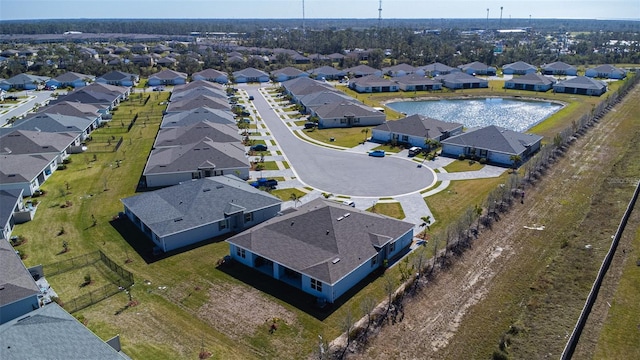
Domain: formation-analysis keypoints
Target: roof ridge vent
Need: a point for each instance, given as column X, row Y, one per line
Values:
column 335, row 261
column 347, row 214
column 340, row 218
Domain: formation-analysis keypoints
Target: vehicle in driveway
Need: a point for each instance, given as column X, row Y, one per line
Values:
column 415, row 150
column 376, row 153
column 259, row 147
column 265, row 183
column 309, row 125
column 251, row 98
column 349, row 203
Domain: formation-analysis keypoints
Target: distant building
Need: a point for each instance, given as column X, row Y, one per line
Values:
column 606, row 72
column 559, row 68
column 530, row 82
column 581, row 85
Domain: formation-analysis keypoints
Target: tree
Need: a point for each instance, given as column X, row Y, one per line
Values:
column 515, row 161
column 426, row 221
column 365, row 131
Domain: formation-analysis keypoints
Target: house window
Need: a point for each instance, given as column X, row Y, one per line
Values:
column 405, row 138
column 374, row 260
column 316, row 285
column 241, row 253
column 392, row 247
column 343, row 121
column 248, row 217
column 222, row 224
column 356, row 121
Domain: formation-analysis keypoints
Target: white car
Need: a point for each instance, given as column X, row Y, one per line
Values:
column 349, row 203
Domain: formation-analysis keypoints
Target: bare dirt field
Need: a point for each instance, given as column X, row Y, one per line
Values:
column 514, row 282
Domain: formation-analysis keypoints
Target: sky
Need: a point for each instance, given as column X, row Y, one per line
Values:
column 285, row 9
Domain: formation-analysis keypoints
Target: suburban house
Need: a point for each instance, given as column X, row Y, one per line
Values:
column 23, row 82
column 328, row 73
column 436, row 69
column 13, row 211
column 211, row 75
column 198, row 101
column 28, row 158
column 70, row 79
column 250, row 75
column 415, row 82
column 478, row 68
column 196, row 115
column 107, row 97
column 198, row 210
column 372, row 84
column 182, row 92
column 363, row 70
column 559, row 68
column 89, row 111
column 143, row 60
column 53, row 333
column 185, row 135
column 322, row 248
column 519, row 68
column 172, row 165
column 494, row 144
column 54, row 123
column 19, row 292
column 530, row 82
column 581, row 85
column 322, row 98
column 300, row 87
column 461, row 80
column 606, row 71
column 167, row 77
column 288, row 73
column 346, row 114
column 399, row 70
column 118, row 78
column 414, row 130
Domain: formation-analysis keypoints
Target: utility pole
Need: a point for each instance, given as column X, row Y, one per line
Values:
column 303, row 17
column 500, row 25
column 379, row 15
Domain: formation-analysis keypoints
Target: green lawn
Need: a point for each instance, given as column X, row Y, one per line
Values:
column 286, row 194
column 346, row 137
column 463, row 165
column 391, row 209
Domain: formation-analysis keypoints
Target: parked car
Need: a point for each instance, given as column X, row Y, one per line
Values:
column 415, row 150
column 158, row 88
column 309, row 125
column 349, row 203
column 259, row 147
column 377, row 153
column 251, row 98
column 266, row 183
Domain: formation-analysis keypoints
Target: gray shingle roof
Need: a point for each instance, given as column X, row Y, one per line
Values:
column 198, row 84
column 210, row 73
column 345, row 108
column 196, row 203
column 460, row 78
column 117, row 76
column 22, row 79
column 362, row 70
column 194, row 92
column 184, row 135
column 583, row 82
column 53, row 123
column 35, row 142
column 288, row 71
column 197, row 115
column 520, row 66
column 310, row 239
column 607, row 68
column 325, row 97
column 476, row 65
column 15, row 281
column 8, row 201
column 72, row 76
column 168, row 75
column 418, row 125
column 496, row 139
column 372, row 80
column 558, row 65
column 72, row 109
column 197, row 102
column 437, row 67
column 328, row 70
column 399, row 67
column 250, row 72
column 23, row 168
column 414, row 79
column 52, row 333
column 532, row 79
column 204, row 154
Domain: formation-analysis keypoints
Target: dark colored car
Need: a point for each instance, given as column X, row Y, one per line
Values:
column 266, row 183
column 259, row 147
column 309, row 125
column 251, row 97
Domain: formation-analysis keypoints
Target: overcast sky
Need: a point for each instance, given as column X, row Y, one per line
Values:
column 285, row 9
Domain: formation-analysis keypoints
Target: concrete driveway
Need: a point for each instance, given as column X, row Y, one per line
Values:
column 338, row 171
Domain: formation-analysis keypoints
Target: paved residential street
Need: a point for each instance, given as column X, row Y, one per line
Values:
column 25, row 105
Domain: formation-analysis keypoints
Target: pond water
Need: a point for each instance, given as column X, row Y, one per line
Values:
column 512, row 114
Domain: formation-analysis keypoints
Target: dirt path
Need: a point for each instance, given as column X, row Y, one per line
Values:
column 436, row 315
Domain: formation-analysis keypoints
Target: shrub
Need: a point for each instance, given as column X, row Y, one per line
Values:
column 62, row 166
column 66, row 161
column 483, row 161
column 461, row 157
column 500, row 355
